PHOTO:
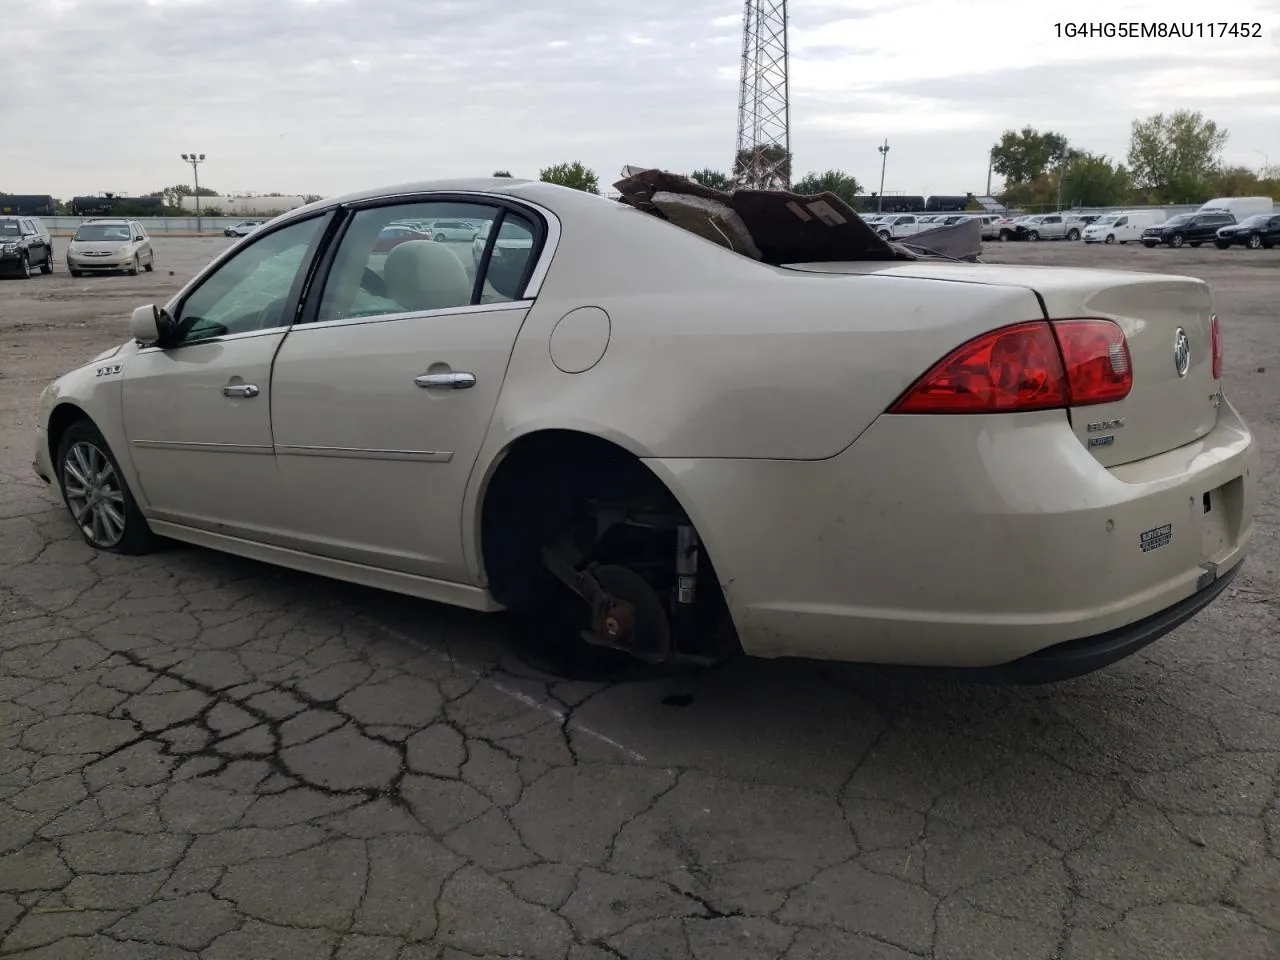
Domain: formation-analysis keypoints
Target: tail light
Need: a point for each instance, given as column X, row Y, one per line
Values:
column 1027, row 366
column 1215, row 338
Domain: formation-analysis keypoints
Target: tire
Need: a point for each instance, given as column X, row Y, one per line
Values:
column 1033, row 234
column 438, row 238
column 151, row 264
column 1255, row 241
column 885, row 235
column 1222, row 244
column 1004, row 236
column 1177, row 240
column 47, row 267
column 1149, row 244
column 75, row 273
column 1111, row 238
column 116, row 525
column 24, row 267
column 1194, row 243
column 135, row 268
column 1073, row 234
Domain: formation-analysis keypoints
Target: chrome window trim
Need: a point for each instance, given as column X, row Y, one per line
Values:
column 554, row 228
column 244, row 335
column 470, row 308
column 536, row 278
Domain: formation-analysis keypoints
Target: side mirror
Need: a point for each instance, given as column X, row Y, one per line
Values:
column 151, row 325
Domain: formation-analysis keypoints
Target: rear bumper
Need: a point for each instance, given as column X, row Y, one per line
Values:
column 969, row 542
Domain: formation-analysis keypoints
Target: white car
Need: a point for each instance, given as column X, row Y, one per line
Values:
column 454, row 230
column 781, row 436
column 243, row 228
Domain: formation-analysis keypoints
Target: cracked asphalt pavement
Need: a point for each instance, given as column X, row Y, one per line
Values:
column 201, row 756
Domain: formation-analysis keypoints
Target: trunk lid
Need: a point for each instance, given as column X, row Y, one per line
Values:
column 1167, row 408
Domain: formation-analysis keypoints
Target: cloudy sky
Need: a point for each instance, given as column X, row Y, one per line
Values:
column 326, row 96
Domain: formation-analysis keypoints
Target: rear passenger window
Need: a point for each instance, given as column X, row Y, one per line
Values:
column 416, row 257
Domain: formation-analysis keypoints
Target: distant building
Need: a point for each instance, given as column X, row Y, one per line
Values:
column 245, row 206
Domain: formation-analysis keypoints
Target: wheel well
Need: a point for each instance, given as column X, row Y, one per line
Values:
column 537, row 492
column 62, row 417
column 559, row 483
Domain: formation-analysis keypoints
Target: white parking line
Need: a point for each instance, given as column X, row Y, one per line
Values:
column 552, row 710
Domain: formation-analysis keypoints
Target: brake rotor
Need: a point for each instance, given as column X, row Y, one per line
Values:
column 649, row 635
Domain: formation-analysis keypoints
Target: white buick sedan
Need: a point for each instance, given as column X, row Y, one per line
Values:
column 686, row 425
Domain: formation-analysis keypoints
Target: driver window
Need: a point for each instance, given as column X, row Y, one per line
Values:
column 250, row 291
column 1122, row 221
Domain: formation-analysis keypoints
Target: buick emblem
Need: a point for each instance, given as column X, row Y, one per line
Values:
column 1181, row 352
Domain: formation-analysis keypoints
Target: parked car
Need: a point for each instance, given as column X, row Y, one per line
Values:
column 243, row 228
column 25, row 244
column 1261, row 230
column 894, row 226
column 1189, row 228
column 514, row 240
column 110, row 245
column 1120, row 227
column 393, row 235
column 454, row 230
column 1053, row 226
column 502, row 442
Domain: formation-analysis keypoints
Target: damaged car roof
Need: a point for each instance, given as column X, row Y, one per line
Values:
column 773, row 226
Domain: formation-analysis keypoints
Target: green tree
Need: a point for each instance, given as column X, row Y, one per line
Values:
column 772, row 162
column 713, row 179
column 1025, row 155
column 172, row 196
column 843, row 185
column 1174, row 157
column 573, row 175
column 502, row 173
column 1092, row 180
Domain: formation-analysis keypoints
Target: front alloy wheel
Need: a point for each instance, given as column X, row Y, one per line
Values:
column 1255, row 241
column 96, row 495
column 1178, row 240
column 24, row 267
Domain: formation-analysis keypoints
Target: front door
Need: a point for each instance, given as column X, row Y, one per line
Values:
column 383, row 392
column 197, row 411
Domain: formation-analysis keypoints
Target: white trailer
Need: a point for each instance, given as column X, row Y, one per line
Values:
column 233, row 206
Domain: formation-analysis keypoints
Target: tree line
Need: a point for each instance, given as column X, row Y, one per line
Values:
column 1174, row 158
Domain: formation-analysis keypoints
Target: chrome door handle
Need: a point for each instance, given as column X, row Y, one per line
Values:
column 239, row 390
column 455, row 381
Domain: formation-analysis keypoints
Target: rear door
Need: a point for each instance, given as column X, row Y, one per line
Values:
column 382, row 395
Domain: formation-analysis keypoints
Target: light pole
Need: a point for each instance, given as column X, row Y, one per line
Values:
column 1266, row 163
column 884, row 156
column 991, row 162
column 195, row 159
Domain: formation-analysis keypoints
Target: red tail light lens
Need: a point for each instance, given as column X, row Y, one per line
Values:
column 1215, row 337
column 1096, row 356
column 1027, row 366
column 1014, row 368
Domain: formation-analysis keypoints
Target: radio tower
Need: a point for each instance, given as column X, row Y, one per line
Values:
column 763, row 159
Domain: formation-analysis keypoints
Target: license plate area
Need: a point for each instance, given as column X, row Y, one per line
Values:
column 1220, row 512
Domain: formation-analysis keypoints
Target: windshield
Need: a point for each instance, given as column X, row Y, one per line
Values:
column 9, row 228
column 1179, row 219
column 104, row 233
column 1104, row 221
column 1257, row 220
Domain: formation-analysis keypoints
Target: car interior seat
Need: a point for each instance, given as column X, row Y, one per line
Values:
column 423, row 275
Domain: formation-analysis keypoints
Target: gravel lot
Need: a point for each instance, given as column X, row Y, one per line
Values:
column 203, row 756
